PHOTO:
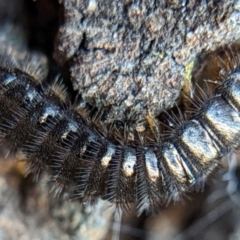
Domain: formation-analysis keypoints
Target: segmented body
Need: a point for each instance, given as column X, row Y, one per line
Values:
column 55, row 138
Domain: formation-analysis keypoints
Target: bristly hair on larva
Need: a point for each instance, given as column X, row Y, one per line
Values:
column 33, row 63
column 37, row 119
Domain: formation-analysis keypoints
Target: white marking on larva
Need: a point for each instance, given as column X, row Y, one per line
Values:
column 129, row 162
column 199, row 143
column 108, row 156
column 223, row 123
column 151, row 162
column 140, row 128
column 31, row 94
column 71, row 128
column 9, row 79
column 49, row 111
column 175, row 163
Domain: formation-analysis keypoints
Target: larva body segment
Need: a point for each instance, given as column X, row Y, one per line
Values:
column 55, row 138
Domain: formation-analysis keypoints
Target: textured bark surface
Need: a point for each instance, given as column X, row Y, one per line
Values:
column 132, row 55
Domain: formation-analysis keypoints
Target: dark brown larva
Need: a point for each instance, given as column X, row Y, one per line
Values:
column 55, row 138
